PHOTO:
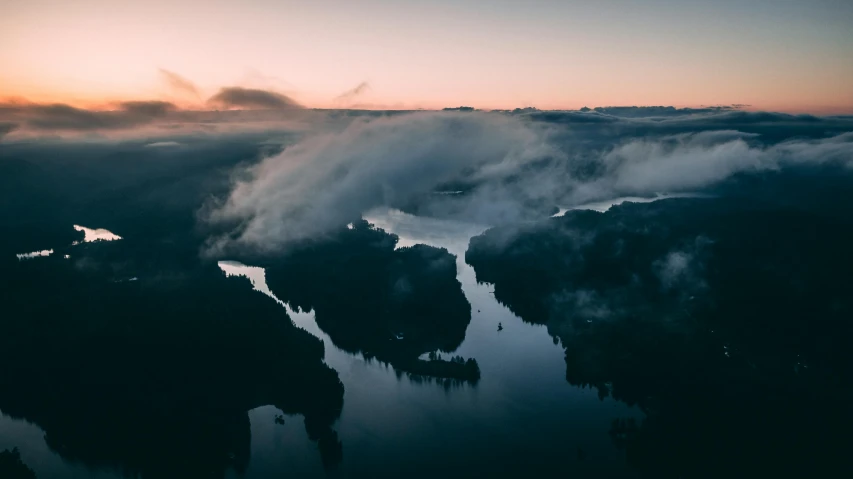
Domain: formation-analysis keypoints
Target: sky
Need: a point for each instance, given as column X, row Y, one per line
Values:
column 781, row 55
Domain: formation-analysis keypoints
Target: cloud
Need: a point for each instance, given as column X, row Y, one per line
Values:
column 179, row 83
column 147, row 108
column 151, row 120
column 567, row 117
column 696, row 160
column 237, row 97
column 60, row 116
column 584, row 304
column 600, row 130
column 684, row 269
column 350, row 95
column 673, row 268
column 326, row 181
column 681, row 162
column 745, row 117
column 7, row 128
column 508, row 168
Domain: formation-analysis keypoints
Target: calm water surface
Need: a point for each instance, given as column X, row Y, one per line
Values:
column 521, row 417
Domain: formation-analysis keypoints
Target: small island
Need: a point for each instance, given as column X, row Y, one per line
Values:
column 386, row 303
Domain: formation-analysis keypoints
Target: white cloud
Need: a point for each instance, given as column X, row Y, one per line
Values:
column 323, row 182
column 512, row 166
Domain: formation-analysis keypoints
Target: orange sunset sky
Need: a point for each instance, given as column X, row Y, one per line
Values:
column 782, row 55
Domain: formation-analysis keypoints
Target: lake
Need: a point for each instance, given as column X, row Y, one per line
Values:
column 521, row 411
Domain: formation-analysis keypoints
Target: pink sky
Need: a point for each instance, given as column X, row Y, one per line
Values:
column 784, row 56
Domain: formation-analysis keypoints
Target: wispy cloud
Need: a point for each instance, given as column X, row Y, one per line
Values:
column 179, row 83
column 351, row 94
column 327, row 181
column 508, row 168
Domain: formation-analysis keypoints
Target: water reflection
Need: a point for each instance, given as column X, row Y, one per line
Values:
column 155, row 378
column 411, row 230
column 522, row 406
column 693, row 311
column 35, row 453
column 89, row 235
column 303, row 319
column 98, row 234
column 279, row 450
column 387, row 303
column 256, row 275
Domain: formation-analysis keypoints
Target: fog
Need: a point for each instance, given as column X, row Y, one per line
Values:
column 508, row 168
column 314, row 171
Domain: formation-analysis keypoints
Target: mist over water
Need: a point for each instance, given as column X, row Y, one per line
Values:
column 436, row 294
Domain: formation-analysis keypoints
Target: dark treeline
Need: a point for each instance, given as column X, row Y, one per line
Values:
column 394, row 305
column 12, row 467
column 126, row 187
column 142, row 356
column 154, row 375
column 138, row 354
column 725, row 319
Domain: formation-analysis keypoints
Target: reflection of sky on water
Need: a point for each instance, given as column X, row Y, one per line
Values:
column 98, row 234
column 411, row 229
column 257, row 276
column 29, row 439
column 523, row 407
column 89, row 235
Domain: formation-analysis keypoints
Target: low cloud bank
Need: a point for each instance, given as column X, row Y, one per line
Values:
column 62, row 117
column 250, row 98
column 488, row 168
column 157, row 121
column 690, row 161
column 326, row 181
column 508, row 164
